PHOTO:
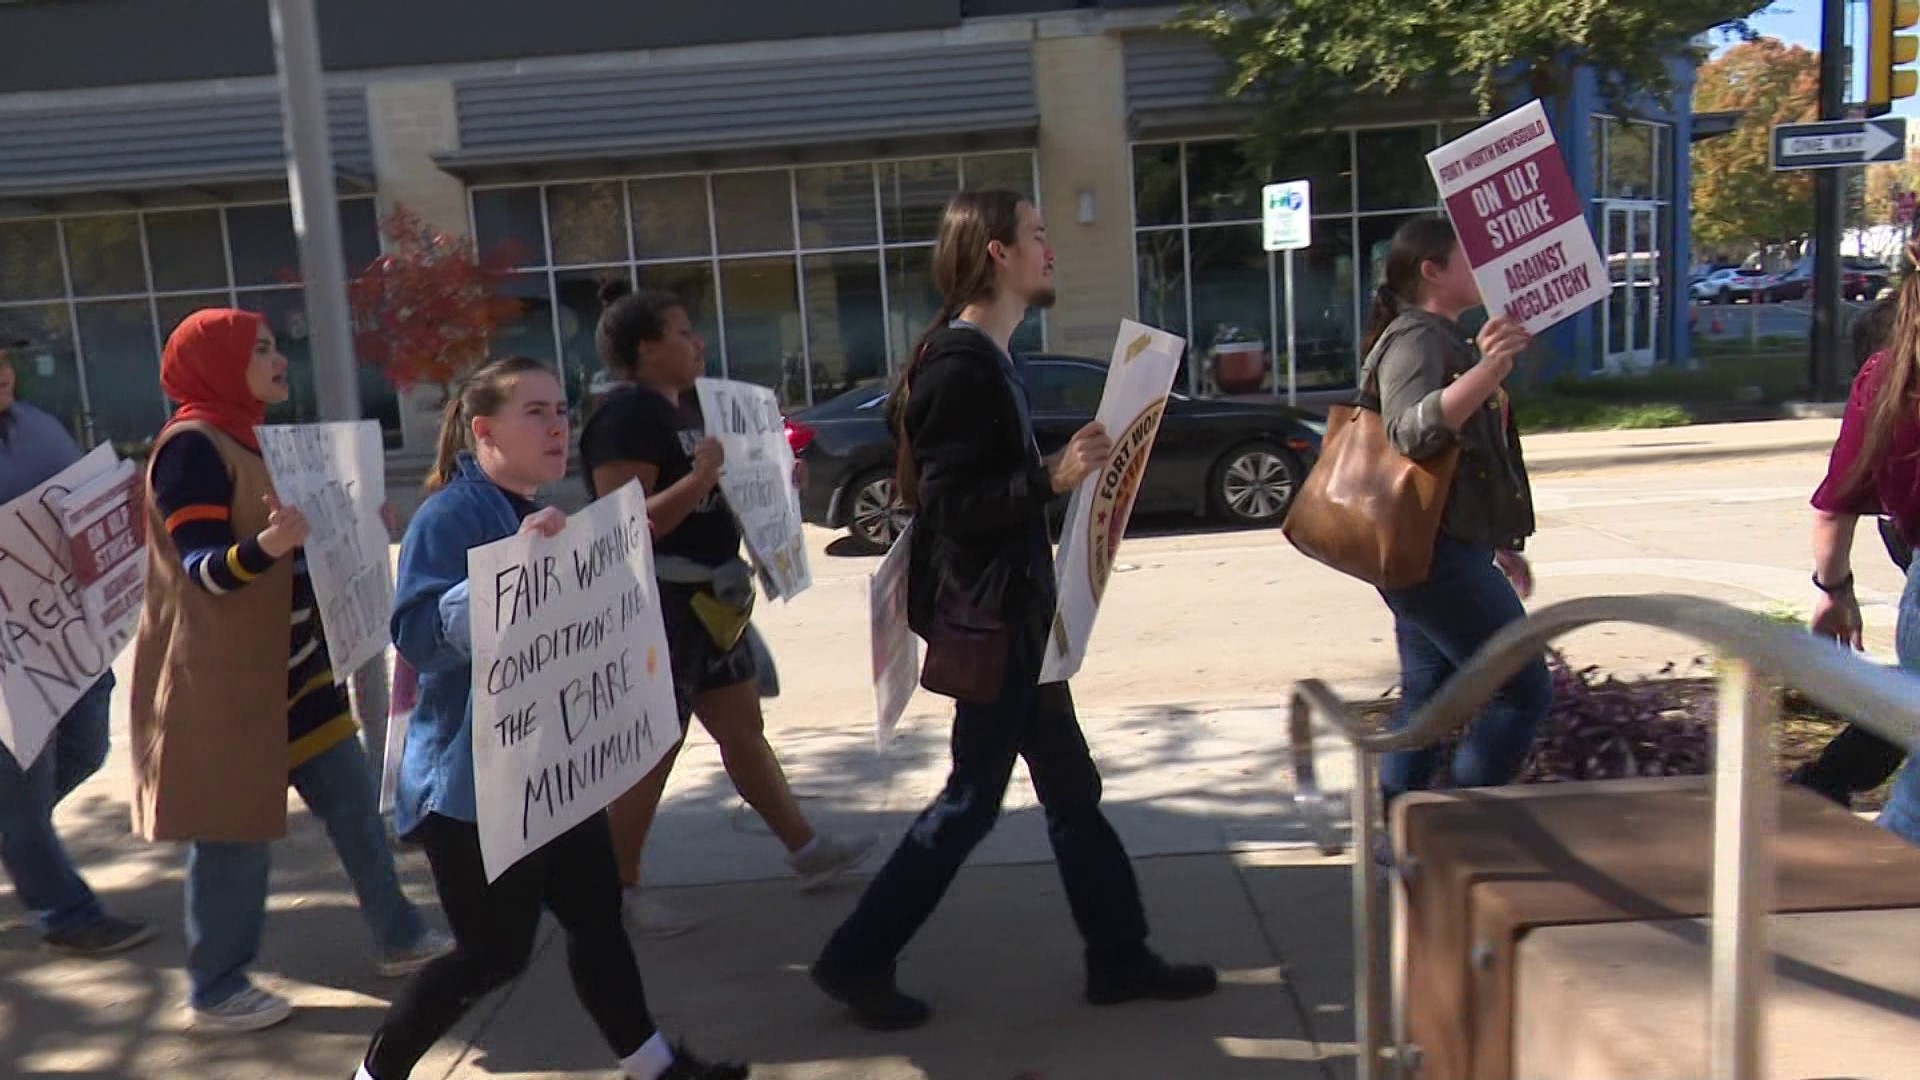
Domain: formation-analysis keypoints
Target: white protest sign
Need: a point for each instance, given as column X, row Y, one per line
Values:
column 1522, row 225
column 49, row 654
column 572, row 689
column 336, row 475
column 758, row 479
column 896, row 652
column 105, row 525
column 1139, row 378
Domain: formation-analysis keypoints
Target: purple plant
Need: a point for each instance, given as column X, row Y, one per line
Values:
column 1606, row 728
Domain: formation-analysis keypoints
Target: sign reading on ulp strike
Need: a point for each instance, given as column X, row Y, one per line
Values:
column 1520, row 221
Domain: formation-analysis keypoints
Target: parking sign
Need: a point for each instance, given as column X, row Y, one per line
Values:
column 1289, row 215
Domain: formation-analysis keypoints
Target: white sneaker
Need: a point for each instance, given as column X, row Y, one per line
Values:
column 829, row 856
column 252, row 1009
column 650, row 917
column 432, row 946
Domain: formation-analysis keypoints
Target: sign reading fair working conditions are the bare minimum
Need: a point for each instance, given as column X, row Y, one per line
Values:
column 1520, row 221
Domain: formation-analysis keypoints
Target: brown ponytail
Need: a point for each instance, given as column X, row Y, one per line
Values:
column 482, row 393
column 1418, row 241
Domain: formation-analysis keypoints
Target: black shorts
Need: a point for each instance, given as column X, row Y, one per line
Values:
column 699, row 665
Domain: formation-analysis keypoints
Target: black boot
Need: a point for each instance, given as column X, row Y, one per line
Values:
column 1148, row 978
column 876, row 1003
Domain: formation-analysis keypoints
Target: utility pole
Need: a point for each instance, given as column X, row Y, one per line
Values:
column 323, row 266
column 1829, row 194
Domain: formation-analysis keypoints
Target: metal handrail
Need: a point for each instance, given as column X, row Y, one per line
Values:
column 1758, row 656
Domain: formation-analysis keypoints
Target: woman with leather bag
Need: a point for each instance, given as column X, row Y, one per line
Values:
column 1441, row 398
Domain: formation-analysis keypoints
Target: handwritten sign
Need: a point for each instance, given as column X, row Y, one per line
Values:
column 49, row 654
column 572, row 689
column 336, row 474
column 758, row 480
column 1139, row 378
column 105, row 525
column 896, row 652
column 1521, row 224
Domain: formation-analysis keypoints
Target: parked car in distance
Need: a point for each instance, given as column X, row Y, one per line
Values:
column 1237, row 460
column 1726, row 285
column 1862, row 280
column 1795, row 284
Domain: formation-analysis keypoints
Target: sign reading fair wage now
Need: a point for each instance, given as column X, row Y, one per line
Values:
column 1138, row 381
column 572, row 689
column 757, row 480
column 336, row 475
column 49, row 652
column 1521, row 224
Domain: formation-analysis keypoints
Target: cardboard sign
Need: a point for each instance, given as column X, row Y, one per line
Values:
column 336, row 474
column 105, row 525
column 572, row 689
column 1522, row 225
column 1139, row 379
column 757, row 480
column 49, row 653
column 896, row 651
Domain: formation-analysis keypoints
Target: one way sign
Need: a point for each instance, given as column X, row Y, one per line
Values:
column 1832, row 144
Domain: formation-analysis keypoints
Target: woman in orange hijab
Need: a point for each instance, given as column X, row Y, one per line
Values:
column 234, row 695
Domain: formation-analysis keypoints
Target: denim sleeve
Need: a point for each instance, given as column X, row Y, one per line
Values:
column 433, row 563
column 456, row 624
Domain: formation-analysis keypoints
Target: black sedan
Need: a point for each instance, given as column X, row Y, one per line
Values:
column 1237, row 460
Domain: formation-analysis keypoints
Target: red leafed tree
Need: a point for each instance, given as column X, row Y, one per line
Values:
column 425, row 311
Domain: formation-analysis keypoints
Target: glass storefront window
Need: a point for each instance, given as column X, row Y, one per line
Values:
column 264, row 249
column 1010, row 172
column 1324, row 284
column 286, row 313
column 1156, row 185
column 846, row 321
column 579, row 308
column 692, row 282
column 911, row 298
column 670, row 218
column 359, row 234
column 187, row 250
column 762, row 319
column 1221, row 185
column 836, row 206
column 123, row 369
column 30, row 261
column 913, row 198
column 1230, row 285
column 1161, row 257
column 753, row 211
column 1325, row 160
column 1630, row 161
column 589, row 223
column 46, row 370
column 171, row 311
column 509, row 221
column 103, row 252
column 1390, row 167
column 531, row 333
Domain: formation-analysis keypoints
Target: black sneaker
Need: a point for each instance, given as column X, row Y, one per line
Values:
column 1150, row 979
column 877, row 1004
column 687, row 1067
column 102, row 937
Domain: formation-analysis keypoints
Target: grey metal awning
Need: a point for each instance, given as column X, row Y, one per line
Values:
column 216, row 140
column 662, row 111
column 1176, row 80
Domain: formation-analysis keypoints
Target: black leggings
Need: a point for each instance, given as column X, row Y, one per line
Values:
column 494, row 928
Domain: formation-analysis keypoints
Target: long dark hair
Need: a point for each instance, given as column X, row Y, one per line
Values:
column 963, row 273
column 630, row 318
column 1418, row 241
column 482, row 393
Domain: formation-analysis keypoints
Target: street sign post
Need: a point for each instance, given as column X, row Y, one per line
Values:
column 1288, row 219
column 1834, row 144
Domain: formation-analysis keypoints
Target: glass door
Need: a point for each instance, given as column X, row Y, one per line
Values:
column 1630, row 324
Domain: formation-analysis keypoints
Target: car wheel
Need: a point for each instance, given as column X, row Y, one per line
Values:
column 1726, row 297
column 875, row 518
column 1254, row 483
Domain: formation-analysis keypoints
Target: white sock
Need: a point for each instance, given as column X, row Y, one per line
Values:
column 812, row 847
column 363, row 1074
column 653, row 1058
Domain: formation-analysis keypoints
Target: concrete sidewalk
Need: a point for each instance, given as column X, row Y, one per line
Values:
column 1582, row 450
column 1199, row 796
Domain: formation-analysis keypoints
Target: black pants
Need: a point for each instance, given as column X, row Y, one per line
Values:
column 1037, row 723
column 494, row 928
column 1853, row 761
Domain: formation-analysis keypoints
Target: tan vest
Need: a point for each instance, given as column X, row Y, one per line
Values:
column 209, row 737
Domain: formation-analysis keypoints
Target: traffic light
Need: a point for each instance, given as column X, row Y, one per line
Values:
column 1888, row 53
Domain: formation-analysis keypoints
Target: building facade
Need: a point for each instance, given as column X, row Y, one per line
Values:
column 783, row 167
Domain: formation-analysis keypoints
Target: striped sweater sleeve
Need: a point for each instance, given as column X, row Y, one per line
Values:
column 195, row 495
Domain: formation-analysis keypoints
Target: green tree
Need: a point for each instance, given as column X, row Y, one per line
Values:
column 1739, row 201
column 1305, row 56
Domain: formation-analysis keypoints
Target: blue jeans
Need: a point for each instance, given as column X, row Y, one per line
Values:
column 43, row 876
column 227, row 883
column 1902, row 813
column 1439, row 625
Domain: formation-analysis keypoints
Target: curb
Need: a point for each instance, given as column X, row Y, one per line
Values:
column 1577, row 462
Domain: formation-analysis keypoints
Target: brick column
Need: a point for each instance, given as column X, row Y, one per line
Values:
column 412, row 121
column 1081, row 85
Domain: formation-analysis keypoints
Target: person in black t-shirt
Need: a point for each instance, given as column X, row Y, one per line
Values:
column 650, row 429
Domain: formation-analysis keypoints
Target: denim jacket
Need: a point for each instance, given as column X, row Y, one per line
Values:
column 430, row 630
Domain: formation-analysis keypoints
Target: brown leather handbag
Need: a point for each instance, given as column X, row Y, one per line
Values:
column 1367, row 510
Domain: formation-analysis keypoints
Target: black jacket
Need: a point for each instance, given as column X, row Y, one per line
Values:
column 980, row 525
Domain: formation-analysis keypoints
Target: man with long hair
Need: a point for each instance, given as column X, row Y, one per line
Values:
column 981, row 592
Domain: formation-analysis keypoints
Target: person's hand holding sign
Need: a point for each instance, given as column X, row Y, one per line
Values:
column 708, row 456
column 1501, row 342
column 547, row 522
column 287, row 528
column 1085, row 454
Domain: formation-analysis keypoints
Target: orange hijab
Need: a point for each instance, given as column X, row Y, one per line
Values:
column 204, row 373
